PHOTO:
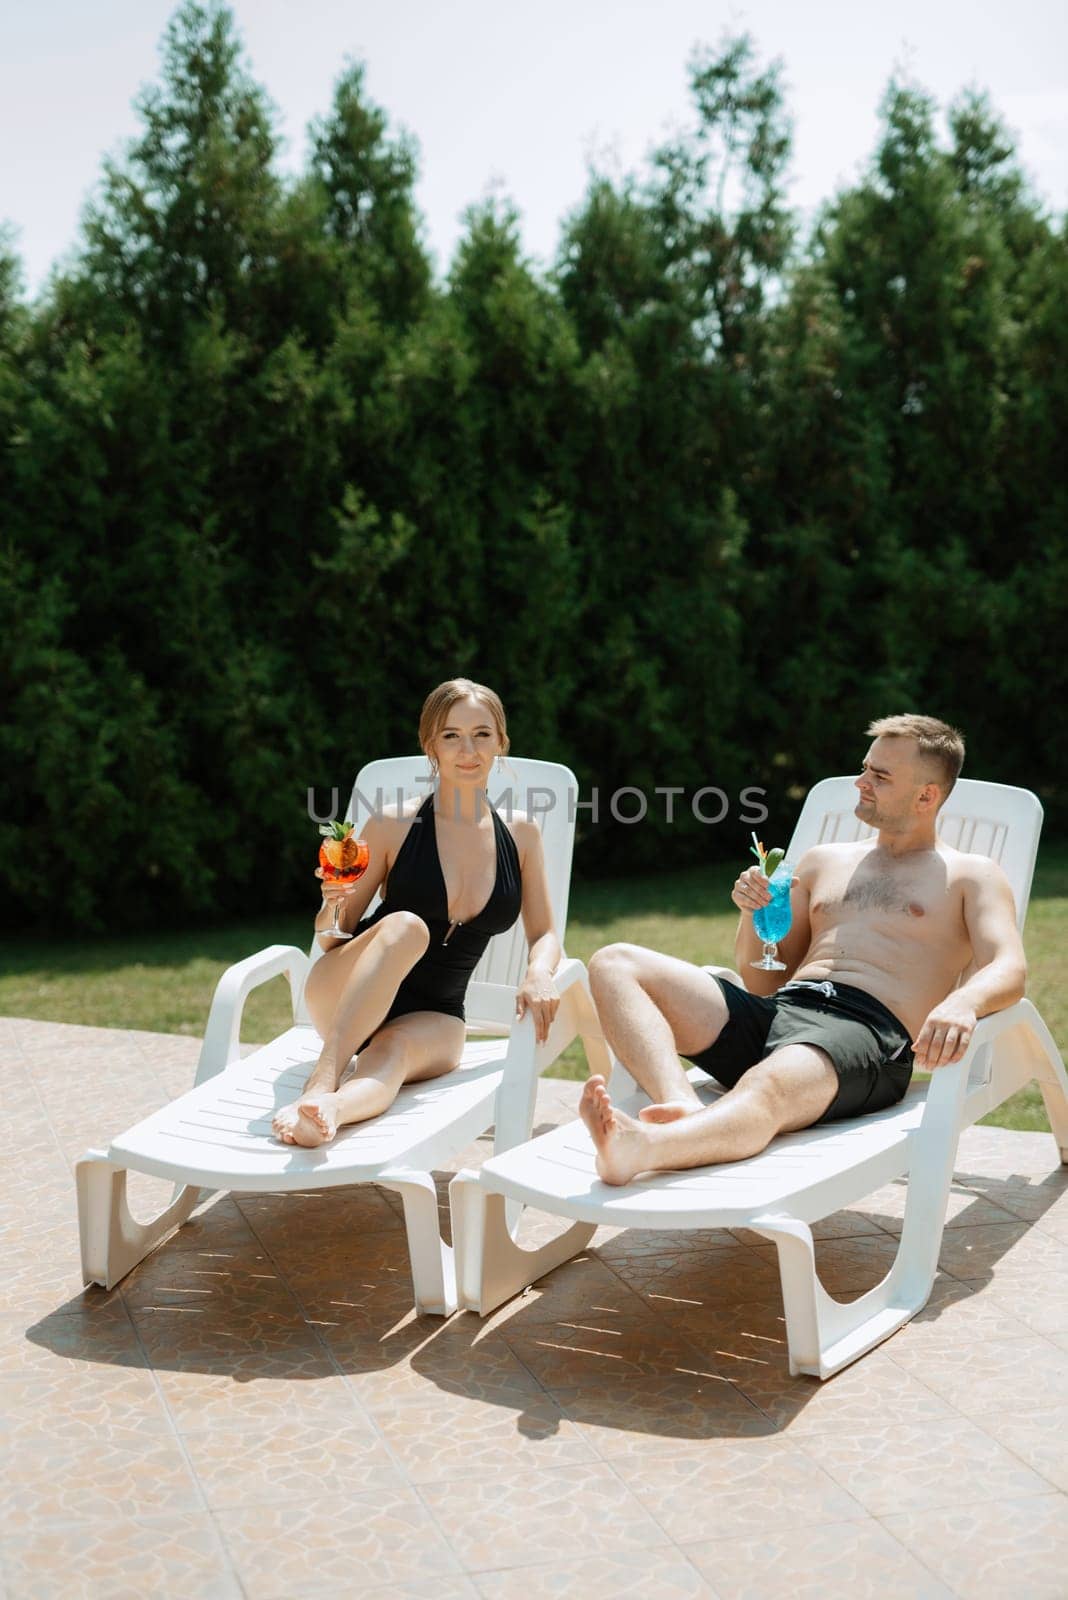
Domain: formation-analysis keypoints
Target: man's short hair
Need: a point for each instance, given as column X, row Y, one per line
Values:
column 938, row 746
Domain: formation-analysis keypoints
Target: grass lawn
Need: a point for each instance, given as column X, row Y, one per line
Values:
column 164, row 981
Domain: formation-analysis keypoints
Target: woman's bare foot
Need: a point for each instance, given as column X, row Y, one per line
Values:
column 312, row 1121
column 622, row 1145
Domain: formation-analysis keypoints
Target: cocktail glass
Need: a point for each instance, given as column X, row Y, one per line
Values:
column 772, row 922
column 342, row 860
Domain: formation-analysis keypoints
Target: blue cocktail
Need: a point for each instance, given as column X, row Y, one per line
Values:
column 772, row 922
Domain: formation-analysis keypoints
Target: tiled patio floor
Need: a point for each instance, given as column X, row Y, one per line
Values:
column 256, row 1410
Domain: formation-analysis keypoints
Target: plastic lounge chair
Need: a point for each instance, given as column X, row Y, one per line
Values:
column 805, row 1176
column 218, row 1135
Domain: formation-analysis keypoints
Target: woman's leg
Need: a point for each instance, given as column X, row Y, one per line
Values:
column 348, row 999
column 349, row 991
column 422, row 1045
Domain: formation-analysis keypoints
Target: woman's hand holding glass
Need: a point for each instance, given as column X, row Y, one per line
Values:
column 335, row 894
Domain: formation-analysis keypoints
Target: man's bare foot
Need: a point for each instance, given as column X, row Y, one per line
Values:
column 669, row 1110
column 621, row 1143
column 312, row 1121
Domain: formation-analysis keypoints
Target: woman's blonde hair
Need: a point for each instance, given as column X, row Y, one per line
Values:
column 440, row 701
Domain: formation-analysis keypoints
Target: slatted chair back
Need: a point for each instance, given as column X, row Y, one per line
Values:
column 990, row 819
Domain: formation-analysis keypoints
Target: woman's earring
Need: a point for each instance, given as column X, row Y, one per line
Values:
column 500, row 763
column 432, row 764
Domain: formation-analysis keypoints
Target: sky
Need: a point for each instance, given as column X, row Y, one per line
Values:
column 517, row 98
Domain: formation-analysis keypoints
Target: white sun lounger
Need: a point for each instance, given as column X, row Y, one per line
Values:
column 805, row 1176
column 218, row 1136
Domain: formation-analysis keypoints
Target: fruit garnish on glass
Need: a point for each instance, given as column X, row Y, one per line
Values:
column 769, row 859
column 772, row 922
column 343, row 859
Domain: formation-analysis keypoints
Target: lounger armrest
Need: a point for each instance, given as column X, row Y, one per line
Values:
column 949, row 1085
column 222, row 1036
column 527, row 1060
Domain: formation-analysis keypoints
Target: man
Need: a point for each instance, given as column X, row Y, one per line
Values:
column 882, row 931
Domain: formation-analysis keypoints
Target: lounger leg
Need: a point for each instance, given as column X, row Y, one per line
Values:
column 824, row 1335
column 433, row 1274
column 490, row 1266
column 113, row 1241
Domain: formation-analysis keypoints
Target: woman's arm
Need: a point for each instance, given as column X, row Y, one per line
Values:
column 537, row 993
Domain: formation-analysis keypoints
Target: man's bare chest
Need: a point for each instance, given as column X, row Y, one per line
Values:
column 922, row 904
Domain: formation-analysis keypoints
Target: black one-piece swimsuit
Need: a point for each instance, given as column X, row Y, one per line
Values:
column 439, row 979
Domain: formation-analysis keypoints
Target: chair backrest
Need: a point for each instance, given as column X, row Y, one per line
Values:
column 543, row 790
column 989, row 819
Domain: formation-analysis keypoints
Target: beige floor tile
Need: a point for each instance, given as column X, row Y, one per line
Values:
column 292, row 1463
column 536, row 1516
column 609, row 1300
column 567, row 1354
column 920, row 1466
column 42, row 1288
column 966, row 1209
column 836, row 1561
column 57, row 1478
column 81, row 1405
column 427, row 1589
column 734, row 1488
column 419, row 1362
column 660, row 1415
column 585, row 1283
column 188, row 1337
column 1038, row 1200
column 958, row 1312
column 998, row 1375
column 307, row 1229
column 121, row 1558
column 226, row 1279
column 1055, row 1224
column 1038, row 1437
column 256, row 1396
column 1001, row 1249
column 763, row 1318
column 1021, row 1551
column 875, row 1386
column 636, row 1244
column 713, row 1279
column 645, row 1378
column 438, row 1438
column 350, row 1284
column 385, row 1537
column 361, row 1312
column 1040, row 1300
column 60, row 1343
column 221, row 1225
column 637, row 1575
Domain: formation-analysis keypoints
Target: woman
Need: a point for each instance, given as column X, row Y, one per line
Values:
column 452, row 874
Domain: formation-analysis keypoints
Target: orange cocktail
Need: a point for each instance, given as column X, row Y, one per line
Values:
column 343, row 859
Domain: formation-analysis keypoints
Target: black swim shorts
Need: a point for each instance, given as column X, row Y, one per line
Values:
column 871, row 1051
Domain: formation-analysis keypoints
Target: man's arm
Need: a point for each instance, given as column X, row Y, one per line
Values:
column 749, row 893
column 1000, row 975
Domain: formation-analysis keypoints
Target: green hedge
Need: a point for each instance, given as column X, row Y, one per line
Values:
column 699, row 502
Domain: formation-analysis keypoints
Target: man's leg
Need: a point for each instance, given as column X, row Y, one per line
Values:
column 789, row 1089
column 654, row 1008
